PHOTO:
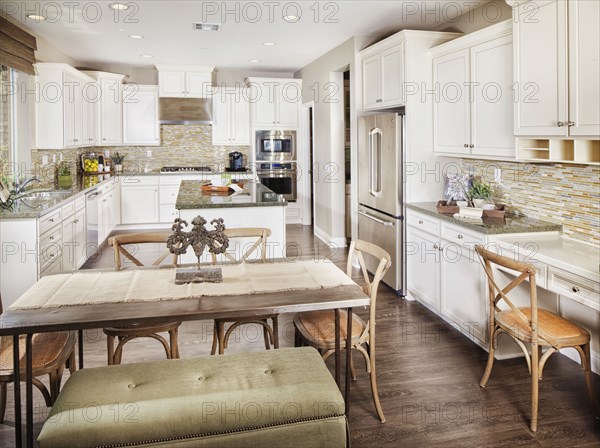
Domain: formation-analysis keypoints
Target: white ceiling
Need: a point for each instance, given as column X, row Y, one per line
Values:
column 96, row 36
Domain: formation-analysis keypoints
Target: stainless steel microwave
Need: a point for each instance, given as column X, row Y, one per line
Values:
column 275, row 146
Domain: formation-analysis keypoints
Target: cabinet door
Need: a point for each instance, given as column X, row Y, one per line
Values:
column 69, row 99
column 221, row 128
column 392, row 76
column 198, row 84
column 80, row 238
column 540, row 68
column 492, row 106
column 111, row 113
column 451, row 110
column 139, row 204
column 69, row 249
column 240, row 126
column 263, row 98
column 371, row 73
column 91, row 97
column 140, row 116
column 114, row 202
column 463, row 290
column 171, row 84
column 287, row 105
column 584, row 68
column 423, row 266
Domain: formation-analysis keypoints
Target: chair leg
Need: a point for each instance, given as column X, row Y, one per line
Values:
column 110, row 348
column 213, row 350
column 275, row 332
column 55, row 378
column 173, row 340
column 374, row 389
column 535, row 378
column 490, row 361
column 71, row 363
column 589, row 381
column 266, row 338
column 221, row 337
column 352, row 369
column 3, row 386
column 297, row 339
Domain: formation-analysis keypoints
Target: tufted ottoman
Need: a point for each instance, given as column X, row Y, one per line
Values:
column 276, row 398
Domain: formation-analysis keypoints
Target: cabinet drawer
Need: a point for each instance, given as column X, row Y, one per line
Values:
column 137, row 181
column 168, row 213
column 168, row 194
column 50, row 220
column 54, row 267
column 50, row 247
column 79, row 203
column 68, row 209
column 573, row 286
column 540, row 268
column 460, row 235
column 292, row 212
column 423, row 222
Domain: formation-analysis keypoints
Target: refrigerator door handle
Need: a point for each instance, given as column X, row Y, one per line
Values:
column 375, row 161
column 377, row 220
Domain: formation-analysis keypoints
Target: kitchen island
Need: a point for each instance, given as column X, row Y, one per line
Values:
column 255, row 206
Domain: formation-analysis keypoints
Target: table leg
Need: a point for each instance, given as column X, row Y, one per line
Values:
column 80, row 347
column 29, row 390
column 338, row 357
column 17, row 380
column 348, row 361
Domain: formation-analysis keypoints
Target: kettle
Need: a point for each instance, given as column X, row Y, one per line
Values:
column 236, row 161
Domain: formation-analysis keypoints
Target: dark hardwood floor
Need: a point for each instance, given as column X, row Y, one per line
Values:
column 428, row 379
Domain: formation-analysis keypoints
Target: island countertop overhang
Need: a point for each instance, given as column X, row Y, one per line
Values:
column 255, row 194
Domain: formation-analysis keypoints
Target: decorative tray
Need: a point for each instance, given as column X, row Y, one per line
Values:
column 447, row 207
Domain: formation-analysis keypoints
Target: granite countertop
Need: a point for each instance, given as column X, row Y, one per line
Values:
column 255, row 194
column 490, row 226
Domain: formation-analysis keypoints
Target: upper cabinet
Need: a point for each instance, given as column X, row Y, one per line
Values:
column 473, row 108
column 231, row 117
column 66, row 102
column 275, row 103
column 556, row 68
column 383, row 77
column 110, row 108
column 176, row 81
column 140, row 115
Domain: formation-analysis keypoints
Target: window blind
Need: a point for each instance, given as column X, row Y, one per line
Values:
column 17, row 47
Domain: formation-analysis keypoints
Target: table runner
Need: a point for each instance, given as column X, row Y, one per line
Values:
column 152, row 285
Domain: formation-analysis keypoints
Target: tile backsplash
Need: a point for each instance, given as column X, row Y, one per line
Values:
column 185, row 145
column 562, row 193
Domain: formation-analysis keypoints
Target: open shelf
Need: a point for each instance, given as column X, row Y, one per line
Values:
column 563, row 150
column 587, row 151
column 559, row 150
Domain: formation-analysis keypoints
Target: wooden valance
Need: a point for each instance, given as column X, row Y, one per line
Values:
column 17, row 47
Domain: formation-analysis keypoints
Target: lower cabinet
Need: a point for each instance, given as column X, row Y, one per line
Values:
column 139, row 200
column 74, row 253
column 109, row 210
column 423, row 266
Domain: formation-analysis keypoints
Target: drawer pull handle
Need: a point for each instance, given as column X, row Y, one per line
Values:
column 436, row 246
column 575, row 289
column 51, row 220
column 51, row 237
column 460, row 237
column 420, row 221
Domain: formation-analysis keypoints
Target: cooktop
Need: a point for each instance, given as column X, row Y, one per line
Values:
column 186, row 169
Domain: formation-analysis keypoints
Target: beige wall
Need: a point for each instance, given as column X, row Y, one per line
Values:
column 485, row 15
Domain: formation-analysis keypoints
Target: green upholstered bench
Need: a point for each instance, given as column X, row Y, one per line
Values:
column 275, row 398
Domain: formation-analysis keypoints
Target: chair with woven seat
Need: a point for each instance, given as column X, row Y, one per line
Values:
column 270, row 333
column 51, row 353
column 130, row 332
column 317, row 328
column 530, row 325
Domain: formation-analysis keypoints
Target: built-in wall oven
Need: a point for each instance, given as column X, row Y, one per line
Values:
column 275, row 146
column 281, row 178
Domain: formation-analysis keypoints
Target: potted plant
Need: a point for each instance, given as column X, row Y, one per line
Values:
column 64, row 175
column 118, row 161
column 480, row 192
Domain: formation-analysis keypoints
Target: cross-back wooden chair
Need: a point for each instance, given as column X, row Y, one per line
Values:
column 51, row 353
column 530, row 325
column 270, row 333
column 317, row 328
column 128, row 333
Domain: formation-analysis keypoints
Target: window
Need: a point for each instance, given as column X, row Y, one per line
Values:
column 5, row 124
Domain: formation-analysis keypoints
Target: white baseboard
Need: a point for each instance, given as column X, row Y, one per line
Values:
column 327, row 239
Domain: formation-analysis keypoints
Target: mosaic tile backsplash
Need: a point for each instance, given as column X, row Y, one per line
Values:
column 185, row 145
column 560, row 193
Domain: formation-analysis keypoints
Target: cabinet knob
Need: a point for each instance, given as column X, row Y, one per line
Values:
column 76, row 221
column 560, row 124
column 379, row 100
column 51, row 238
column 103, row 139
column 420, row 221
column 52, row 255
column 570, row 123
column 466, row 145
column 51, row 220
column 575, row 289
column 460, row 237
column 436, row 246
column 471, row 146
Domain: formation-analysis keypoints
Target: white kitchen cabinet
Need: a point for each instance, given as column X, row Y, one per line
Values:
column 423, row 266
column 89, row 125
column 557, row 68
column 73, row 110
column 231, row 117
column 275, row 103
column 109, row 109
column 74, row 237
column 109, row 210
column 383, row 77
column 139, row 200
column 177, row 81
column 140, row 115
column 473, row 112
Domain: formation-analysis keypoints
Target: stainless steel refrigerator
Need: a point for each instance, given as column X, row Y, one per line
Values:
column 381, row 191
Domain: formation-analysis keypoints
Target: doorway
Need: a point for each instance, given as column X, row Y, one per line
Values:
column 347, row 157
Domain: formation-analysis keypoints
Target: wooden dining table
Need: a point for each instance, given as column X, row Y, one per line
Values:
column 26, row 321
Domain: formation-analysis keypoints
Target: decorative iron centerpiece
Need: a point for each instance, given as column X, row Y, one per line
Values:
column 200, row 239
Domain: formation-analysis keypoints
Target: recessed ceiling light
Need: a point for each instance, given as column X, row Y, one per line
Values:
column 203, row 49
column 291, row 19
column 36, row 17
column 136, row 36
column 201, row 26
column 254, row 61
column 119, row 6
column 269, row 44
column 146, row 56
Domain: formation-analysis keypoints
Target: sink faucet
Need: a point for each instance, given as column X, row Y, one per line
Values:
column 20, row 187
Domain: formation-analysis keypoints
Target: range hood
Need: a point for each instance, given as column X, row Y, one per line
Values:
column 185, row 110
